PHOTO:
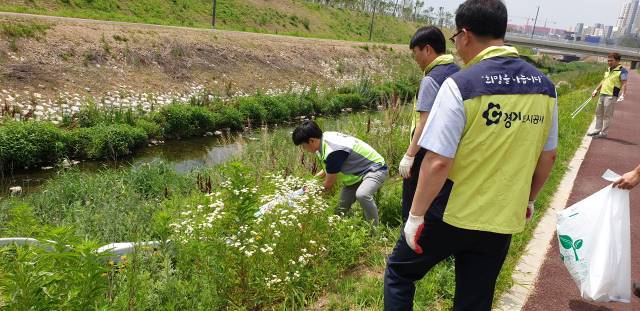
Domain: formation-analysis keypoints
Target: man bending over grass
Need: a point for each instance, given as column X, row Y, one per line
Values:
column 347, row 161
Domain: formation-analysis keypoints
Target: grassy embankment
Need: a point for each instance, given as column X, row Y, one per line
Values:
column 286, row 17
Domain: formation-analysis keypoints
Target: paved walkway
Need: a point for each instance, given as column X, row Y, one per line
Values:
column 554, row 288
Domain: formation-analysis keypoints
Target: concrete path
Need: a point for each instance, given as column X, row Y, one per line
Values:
column 554, row 288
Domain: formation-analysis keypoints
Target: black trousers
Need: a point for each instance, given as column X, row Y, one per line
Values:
column 478, row 256
column 410, row 184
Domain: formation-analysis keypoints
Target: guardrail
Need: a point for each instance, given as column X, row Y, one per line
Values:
column 571, row 46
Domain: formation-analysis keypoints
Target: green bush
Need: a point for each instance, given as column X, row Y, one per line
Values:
column 252, row 109
column 180, row 120
column 90, row 116
column 152, row 129
column 353, row 101
column 228, row 117
column 338, row 102
column 277, row 110
column 175, row 120
column 107, row 141
column 30, row 143
column 202, row 120
column 298, row 104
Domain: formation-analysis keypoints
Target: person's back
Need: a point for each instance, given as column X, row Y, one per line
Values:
column 346, row 161
column 490, row 139
column 508, row 105
column 361, row 158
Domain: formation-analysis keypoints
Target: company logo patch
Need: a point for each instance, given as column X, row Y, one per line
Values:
column 494, row 114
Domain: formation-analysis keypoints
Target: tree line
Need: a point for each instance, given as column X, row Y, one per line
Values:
column 406, row 10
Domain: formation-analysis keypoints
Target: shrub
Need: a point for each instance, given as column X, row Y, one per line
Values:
column 406, row 89
column 341, row 101
column 90, row 116
column 179, row 120
column 152, row 129
column 353, row 101
column 228, row 117
column 252, row 109
column 202, row 120
column 31, row 143
column 175, row 120
column 277, row 109
column 297, row 103
column 107, row 141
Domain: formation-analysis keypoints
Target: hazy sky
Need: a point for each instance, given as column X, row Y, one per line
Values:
column 559, row 13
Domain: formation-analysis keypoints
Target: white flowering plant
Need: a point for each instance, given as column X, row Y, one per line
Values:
column 296, row 247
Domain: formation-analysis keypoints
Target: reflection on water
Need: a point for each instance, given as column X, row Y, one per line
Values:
column 186, row 155
column 183, row 155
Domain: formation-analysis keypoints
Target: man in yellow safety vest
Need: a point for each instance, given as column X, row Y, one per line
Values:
column 612, row 90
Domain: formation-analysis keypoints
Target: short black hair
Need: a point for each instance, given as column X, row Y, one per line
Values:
column 615, row 56
column 305, row 131
column 429, row 35
column 484, row 18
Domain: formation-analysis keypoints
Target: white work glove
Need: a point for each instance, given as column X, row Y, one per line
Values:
column 530, row 210
column 405, row 166
column 412, row 231
column 594, row 93
column 621, row 98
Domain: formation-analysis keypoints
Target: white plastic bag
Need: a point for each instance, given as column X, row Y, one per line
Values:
column 595, row 244
column 279, row 200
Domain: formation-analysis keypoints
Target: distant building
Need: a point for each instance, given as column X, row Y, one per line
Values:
column 540, row 30
column 608, row 33
column 579, row 28
column 588, row 31
column 627, row 21
column 598, row 32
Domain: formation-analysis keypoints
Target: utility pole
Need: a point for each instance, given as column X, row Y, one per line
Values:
column 534, row 23
column 373, row 15
column 213, row 16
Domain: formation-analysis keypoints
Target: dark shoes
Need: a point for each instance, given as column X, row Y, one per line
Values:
column 597, row 134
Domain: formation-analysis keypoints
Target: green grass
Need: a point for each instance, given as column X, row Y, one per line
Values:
column 14, row 31
column 291, row 17
column 88, row 209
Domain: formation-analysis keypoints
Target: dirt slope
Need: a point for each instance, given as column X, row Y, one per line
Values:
column 94, row 57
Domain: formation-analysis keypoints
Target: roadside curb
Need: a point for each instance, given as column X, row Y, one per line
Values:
column 526, row 272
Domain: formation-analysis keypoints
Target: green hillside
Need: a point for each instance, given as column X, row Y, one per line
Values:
column 287, row 17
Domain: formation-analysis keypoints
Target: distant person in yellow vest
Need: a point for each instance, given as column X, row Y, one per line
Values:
column 611, row 89
column 491, row 141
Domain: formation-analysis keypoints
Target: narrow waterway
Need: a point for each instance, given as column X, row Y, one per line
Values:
column 183, row 155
